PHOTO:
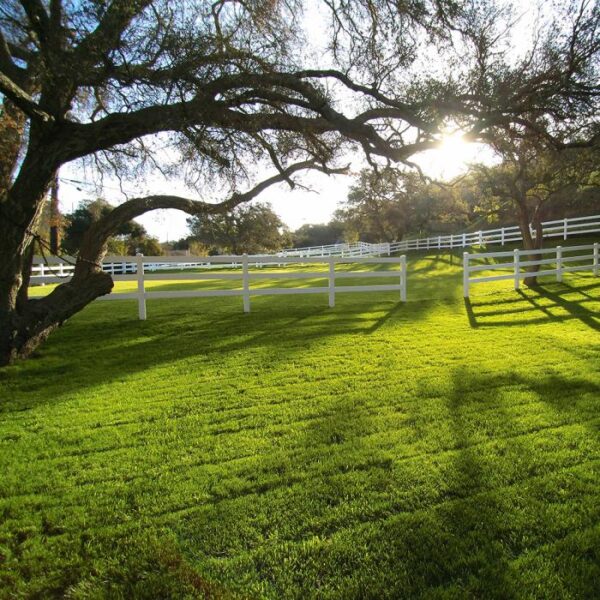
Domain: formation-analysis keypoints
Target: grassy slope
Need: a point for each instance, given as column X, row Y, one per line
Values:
column 370, row 450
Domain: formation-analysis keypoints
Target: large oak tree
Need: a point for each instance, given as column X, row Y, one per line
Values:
column 225, row 84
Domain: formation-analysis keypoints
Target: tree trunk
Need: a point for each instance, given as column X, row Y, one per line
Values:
column 530, row 242
column 24, row 322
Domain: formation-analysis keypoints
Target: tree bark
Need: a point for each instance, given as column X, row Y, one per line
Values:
column 530, row 242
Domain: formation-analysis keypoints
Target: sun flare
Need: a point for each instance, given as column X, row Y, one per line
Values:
column 452, row 157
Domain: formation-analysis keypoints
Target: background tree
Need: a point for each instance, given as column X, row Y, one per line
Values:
column 230, row 84
column 376, row 207
column 129, row 238
column 531, row 178
column 386, row 204
column 250, row 229
column 320, row 234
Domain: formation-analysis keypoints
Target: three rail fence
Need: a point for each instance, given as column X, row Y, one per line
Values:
column 143, row 269
column 560, row 260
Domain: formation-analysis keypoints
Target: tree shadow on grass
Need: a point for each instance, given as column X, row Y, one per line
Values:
column 101, row 346
column 348, row 514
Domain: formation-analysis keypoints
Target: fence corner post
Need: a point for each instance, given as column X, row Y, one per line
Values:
column 559, row 264
column 403, row 278
column 517, row 269
column 245, row 283
column 331, row 281
column 596, row 259
column 140, row 286
column 465, row 274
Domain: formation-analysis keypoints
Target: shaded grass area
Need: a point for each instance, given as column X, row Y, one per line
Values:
column 436, row 449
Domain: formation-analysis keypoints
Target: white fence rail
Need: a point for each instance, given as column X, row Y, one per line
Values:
column 562, row 228
column 343, row 250
column 560, row 261
column 139, row 268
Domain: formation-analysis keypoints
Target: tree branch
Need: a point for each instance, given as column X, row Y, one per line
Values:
column 93, row 244
column 23, row 100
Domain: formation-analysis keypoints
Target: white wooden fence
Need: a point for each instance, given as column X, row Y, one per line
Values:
column 559, row 258
column 137, row 270
column 343, row 250
column 562, row 228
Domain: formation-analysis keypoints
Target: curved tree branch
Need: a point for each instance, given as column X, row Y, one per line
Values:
column 94, row 242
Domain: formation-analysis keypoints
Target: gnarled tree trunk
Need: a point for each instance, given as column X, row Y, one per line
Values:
column 527, row 221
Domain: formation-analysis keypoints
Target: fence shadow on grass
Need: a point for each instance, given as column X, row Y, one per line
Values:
column 544, row 303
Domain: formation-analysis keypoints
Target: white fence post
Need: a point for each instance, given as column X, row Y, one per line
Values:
column 246, row 283
column 403, row 278
column 331, row 282
column 465, row 274
column 480, row 238
column 559, row 264
column 596, row 259
column 565, row 228
column 517, row 269
column 140, row 287
column 464, row 240
column 502, row 236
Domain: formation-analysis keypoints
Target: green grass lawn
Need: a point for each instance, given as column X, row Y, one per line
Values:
column 374, row 450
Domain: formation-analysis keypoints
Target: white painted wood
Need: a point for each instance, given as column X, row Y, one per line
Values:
column 364, row 274
column 520, row 267
column 246, row 283
column 403, row 278
column 190, row 294
column 465, row 274
column 289, row 291
column 141, row 290
column 298, row 275
column 124, row 296
column 331, row 282
column 187, row 276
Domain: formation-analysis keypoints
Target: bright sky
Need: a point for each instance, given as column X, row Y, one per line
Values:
column 295, row 207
